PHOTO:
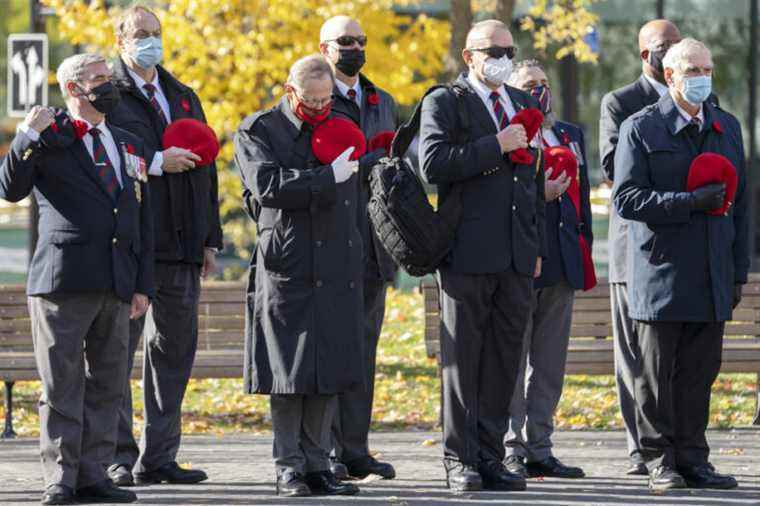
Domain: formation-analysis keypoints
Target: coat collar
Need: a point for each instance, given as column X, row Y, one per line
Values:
column 647, row 90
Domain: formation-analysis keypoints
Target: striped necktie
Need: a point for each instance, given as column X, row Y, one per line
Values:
column 351, row 94
column 498, row 109
column 151, row 91
column 103, row 164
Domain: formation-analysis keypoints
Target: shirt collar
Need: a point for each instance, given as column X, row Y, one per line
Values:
column 484, row 91
column 343, row 87
column 287, row 110
column 140, row 82
column 660, row 88
column 684, row 118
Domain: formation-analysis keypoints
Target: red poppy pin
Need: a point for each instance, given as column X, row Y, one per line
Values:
column 130, row 149
column 373, row 99
column 717, row 127
column 565, row 138
column 185, row 104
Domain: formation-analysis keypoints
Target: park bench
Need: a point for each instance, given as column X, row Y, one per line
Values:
column 590, row 350
column 220, row 339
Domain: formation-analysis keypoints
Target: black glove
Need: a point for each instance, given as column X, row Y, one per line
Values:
column 737, row 295
column 708, row 197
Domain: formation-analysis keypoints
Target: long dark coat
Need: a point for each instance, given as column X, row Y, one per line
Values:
column 305, row 302
column 682, row 265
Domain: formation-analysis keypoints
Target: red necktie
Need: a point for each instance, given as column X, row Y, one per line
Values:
column 103, row 164
column 501, row 114
column 151, row 90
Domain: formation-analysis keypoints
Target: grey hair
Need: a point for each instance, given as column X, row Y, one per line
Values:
column 127, row 16
column 73, row 68
column 314, row 66
column 530, row 63
column 677, row 56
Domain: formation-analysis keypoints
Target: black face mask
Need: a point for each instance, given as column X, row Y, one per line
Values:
column 655, row 59
column 106, row 97
column 350, row 61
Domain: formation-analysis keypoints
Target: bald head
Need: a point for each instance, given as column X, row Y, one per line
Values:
column 656, row 32
column 338, row 26
column 483, row 33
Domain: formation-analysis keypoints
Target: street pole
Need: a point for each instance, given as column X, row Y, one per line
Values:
column 36, row 25
column 660, row 9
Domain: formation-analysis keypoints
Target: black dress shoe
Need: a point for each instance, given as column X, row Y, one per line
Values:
column 58, row 494
column 705, row 476
column 462, row 477
column 497, row 477
column 665, row 478
column 363, row 467
column 551, row 467
column 325, row 483
column 516, row 464
column 338, row 468
column 106, row 492
column 121, row 476
column 637, row 469
column 292, row 485
column 170, row 473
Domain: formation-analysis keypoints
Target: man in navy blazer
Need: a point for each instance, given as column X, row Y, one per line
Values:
column 686, row 266
column 91, row 272
column 487, row 280
column 655, row 37
column 528, row 442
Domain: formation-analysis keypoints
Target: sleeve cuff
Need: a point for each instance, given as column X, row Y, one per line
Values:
column 155, row 166
column 30, row 132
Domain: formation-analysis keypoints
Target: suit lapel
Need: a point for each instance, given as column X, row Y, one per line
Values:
column 127, row 186
column 648, row 92
column 88, row 165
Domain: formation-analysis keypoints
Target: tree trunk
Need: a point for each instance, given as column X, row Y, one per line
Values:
column 460, row 17
column 504, row 11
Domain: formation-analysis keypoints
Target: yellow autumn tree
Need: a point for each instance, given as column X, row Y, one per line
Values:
column 236, row 55
column 562, row 24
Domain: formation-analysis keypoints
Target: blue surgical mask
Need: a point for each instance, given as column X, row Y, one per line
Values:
column 696, row 89
column 148, row 52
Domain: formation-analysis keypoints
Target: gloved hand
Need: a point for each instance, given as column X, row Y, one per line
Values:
column 737, row 295
column 708, row 197
column 343, row 167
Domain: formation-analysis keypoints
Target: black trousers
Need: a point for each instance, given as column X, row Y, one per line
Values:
column 353, row 413
column 483, row 320
column 680, row 362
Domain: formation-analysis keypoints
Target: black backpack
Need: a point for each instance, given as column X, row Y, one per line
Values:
column 416, row 236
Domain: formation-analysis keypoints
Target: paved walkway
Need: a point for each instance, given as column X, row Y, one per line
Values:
column 241, row 473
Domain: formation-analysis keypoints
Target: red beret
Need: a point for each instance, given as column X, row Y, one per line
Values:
column 335, row 135
column 195, row 136
column 531, row 119
column 560, row 159
column 709, row 168
column 382, row 140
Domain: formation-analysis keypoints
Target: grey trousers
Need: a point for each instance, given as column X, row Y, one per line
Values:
column 301, row 426
column 127, row 450
column 483, row 320
column 542, row 373
column 170, row 340
column 80, row 347
column 627, row 365
column 680, row 363
column 353, row 414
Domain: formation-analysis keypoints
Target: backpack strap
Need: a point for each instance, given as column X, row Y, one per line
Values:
column 405, row 133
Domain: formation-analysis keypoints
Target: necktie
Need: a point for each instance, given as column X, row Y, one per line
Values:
column 151, row 91
column 693, row 129
column 103, row 164
column 501, row 114
column 351, row 94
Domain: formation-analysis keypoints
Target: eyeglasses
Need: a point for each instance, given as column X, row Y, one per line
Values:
column 315, row 103
column 348, row 40
column 497, row 51
column 144, row 34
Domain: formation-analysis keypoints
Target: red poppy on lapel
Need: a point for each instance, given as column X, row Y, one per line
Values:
column 130, row 149
column 80, row 128
column 565, row 138
column 185, row 104
column 373, row 99
column 717, row 126
column 531, row 119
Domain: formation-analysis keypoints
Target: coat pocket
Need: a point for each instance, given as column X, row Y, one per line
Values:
column 68, row 236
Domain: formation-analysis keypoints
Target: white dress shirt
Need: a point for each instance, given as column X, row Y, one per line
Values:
column 484, row 92
column 158, row 158
column 112, row 150
column 684, row 118
column 548, row 136
column 343, row 88
column 660, row 88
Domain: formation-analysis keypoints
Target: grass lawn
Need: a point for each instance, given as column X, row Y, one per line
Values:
column 406, row 391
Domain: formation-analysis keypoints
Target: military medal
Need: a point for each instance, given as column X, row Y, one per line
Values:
column 138, row 192
column 134, row 165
